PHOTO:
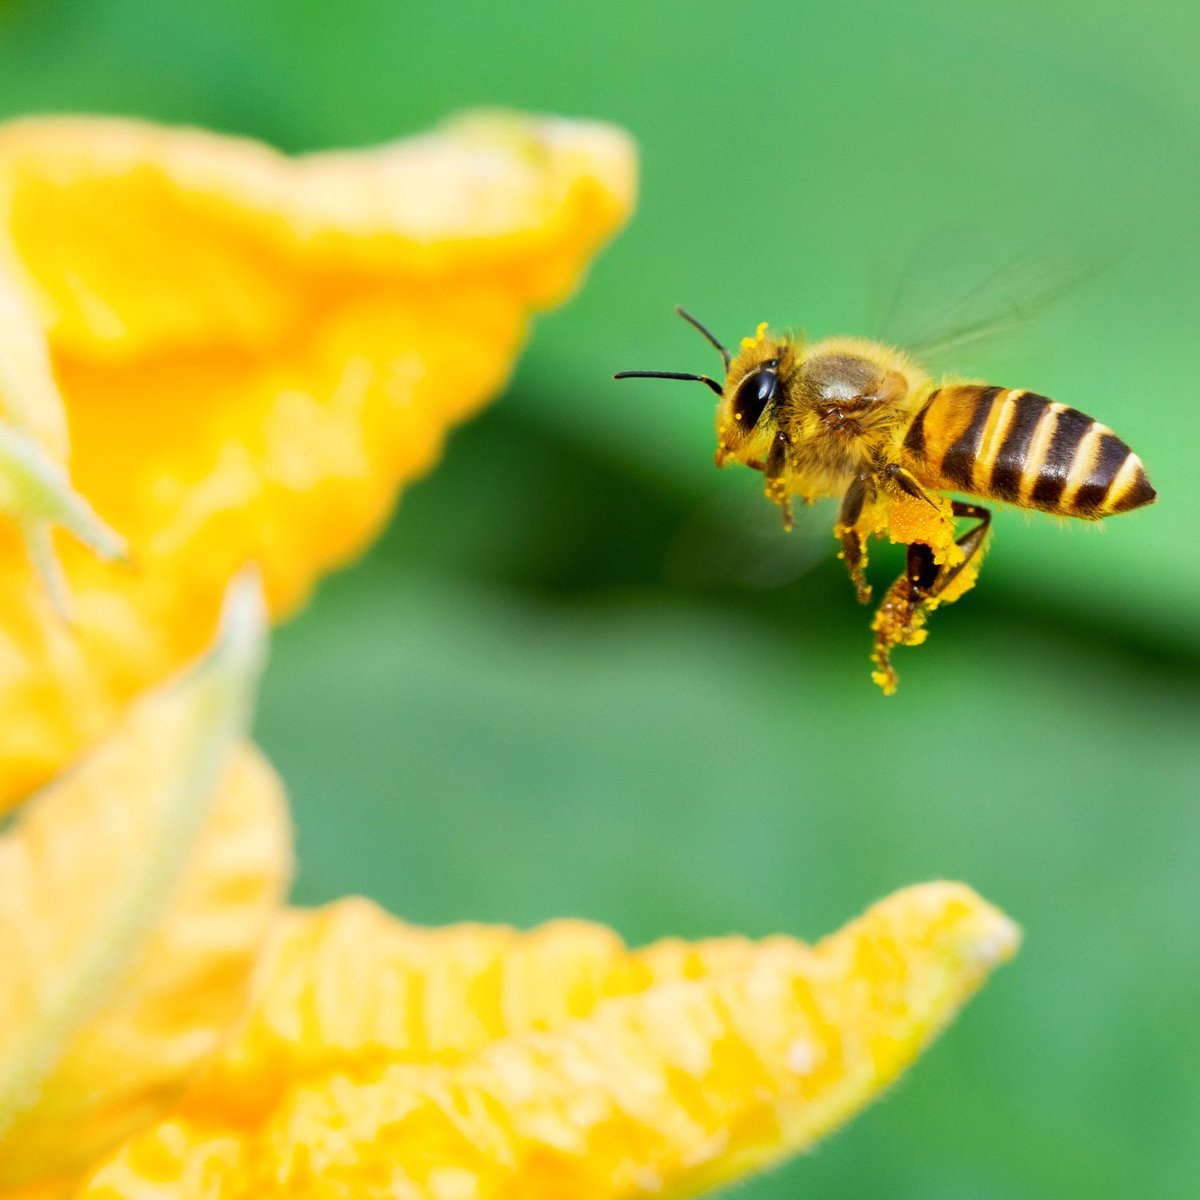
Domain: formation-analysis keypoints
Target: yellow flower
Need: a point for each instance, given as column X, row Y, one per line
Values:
column 251, row 354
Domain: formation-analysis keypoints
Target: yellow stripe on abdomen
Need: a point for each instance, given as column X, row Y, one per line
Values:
column 1004, row 411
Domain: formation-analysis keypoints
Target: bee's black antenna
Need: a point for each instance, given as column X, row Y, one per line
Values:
column 687, row 316
column 712, row 383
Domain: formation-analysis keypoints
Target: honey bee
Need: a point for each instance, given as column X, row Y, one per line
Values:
column 855, row 419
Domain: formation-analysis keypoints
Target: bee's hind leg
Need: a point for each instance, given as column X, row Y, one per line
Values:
column 901, row 618
column 854, row 544
column 971, row 544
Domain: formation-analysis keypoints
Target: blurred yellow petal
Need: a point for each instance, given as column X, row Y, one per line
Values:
column 137, row 890
column 35, row 490
column 254, row 353
column 661, row 1072
column 29, row 399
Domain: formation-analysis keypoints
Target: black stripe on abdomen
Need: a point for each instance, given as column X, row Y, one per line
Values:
column 1110, row 458
column 1013, row 453
column 958, row 463
column 914, row 439
column 1071, row 427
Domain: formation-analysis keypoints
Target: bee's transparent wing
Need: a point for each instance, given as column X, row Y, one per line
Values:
column 962, row 291
column 736, row 538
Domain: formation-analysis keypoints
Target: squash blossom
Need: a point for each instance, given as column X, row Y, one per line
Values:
column 240, row 357
column 212, row 356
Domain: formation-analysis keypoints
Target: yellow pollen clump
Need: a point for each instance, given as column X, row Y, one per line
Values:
column 912, row 519
column 748, row 343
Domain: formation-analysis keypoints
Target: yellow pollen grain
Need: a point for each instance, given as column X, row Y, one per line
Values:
column 748, row 343
column 1082, row 463
column 1037, row 451
column 994, row 433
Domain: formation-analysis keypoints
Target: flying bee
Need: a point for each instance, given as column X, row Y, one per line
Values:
column 856, row 419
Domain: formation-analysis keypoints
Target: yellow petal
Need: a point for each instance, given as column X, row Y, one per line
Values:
column 29, row 398
column 34, row 486
column 255, row 352
column 663, row 1072
column 136, row 892
column 345, row 986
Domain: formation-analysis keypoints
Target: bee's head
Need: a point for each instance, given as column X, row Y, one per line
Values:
column 748, row 411
column 749, row 395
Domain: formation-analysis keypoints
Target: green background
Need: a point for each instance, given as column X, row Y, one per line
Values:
column 541, row 694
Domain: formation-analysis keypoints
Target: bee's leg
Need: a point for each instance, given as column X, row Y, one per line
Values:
column 854, row 544
column 906, row 482
column 901, row 618
column 854, row 554
column 971, row 543
column 775, row 478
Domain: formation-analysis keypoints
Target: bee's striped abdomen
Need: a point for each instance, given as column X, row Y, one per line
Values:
column 1025, row 449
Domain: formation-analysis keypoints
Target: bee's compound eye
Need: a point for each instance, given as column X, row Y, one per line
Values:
column 753, row 395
